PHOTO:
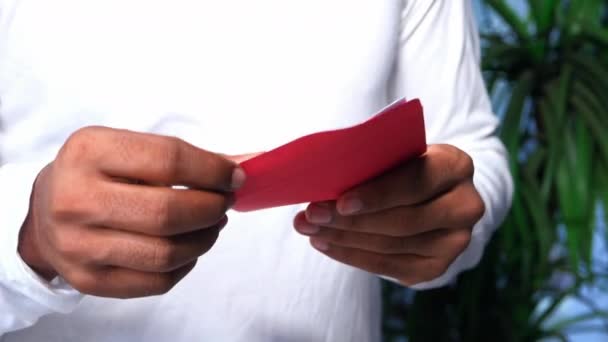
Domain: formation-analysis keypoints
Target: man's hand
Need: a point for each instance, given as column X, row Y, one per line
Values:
column 105, row 214
column 408, row 224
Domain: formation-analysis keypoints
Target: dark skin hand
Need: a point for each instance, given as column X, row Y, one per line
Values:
column 409, row 223
column 105, row 216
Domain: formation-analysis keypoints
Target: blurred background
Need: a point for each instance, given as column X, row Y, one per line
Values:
column 544, row 276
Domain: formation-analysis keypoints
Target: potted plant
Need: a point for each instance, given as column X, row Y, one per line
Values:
column 546, row 68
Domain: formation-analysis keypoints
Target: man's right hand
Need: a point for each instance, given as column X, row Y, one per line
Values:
column 105, row 216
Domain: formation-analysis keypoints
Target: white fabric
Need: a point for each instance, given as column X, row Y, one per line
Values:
column 234, row 77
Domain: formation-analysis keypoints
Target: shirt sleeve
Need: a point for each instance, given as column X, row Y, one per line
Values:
column 438, row 62
column 24, row 296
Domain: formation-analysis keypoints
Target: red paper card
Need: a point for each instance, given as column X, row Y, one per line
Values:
column 322, row 166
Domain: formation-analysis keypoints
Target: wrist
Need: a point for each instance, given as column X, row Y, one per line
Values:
column 30, row 254
column 28, row 247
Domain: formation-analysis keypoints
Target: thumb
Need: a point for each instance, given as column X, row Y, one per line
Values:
column 242, row 157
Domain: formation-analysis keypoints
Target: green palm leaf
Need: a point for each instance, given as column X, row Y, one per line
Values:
column 547, row 70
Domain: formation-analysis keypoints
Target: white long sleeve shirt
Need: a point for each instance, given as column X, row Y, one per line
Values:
column 233, row 77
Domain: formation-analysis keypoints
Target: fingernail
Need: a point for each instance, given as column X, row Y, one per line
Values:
column 350, row 205
column 238, row 178
column 320, row 245
column 323, row 204
column 318, row 215
column 307, row 228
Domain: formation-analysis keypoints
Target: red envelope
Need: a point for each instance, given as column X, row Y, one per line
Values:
column 322, row 166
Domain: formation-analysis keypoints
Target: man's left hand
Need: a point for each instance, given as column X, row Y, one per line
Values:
column 409, row 224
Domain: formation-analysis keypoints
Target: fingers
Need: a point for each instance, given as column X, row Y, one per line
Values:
column 441, row 168
column 152, row 159
column 441, row 242
column 157, row 211
column 409, row 224
column 105, row 247
column 151, row 254
column 114, row 219
column 461, row 207
column 409, row 269
column 125, row 283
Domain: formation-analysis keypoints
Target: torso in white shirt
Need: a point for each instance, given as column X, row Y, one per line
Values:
column 229, row 76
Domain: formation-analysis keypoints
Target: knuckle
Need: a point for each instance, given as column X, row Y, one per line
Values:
column 399, row 244
column 172, row 156
column 386, row 266
column 437, row 268
column 163, row 283
column 80, row 144
column 472, row 209
column 126, row 145
column 446, row 155
column 455, row 162
column 83, row 281
column 220, row 170
column 427, row 270
column 62, row 206
column 402, row 220
column 477, row 208
column 406, row 281
column 428, row 274
column 409, row 280
column 376, row 195
column 357, row 224
column 70, row 205
column 336, row 236
column 226, row 203
column 461, row 240
column 66, row 245
column 218, row 206
column 465, row 165
column 165, row 255
column 100, row 255
column 440, row 216
column 161, row 213
column 212, row 236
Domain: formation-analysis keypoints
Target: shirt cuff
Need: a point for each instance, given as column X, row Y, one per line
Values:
column 16, row 182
